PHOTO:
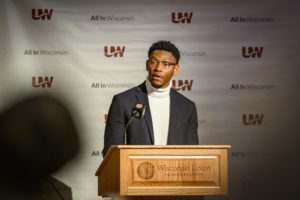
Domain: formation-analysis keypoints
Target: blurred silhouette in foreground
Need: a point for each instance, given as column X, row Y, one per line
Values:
column 37, row 137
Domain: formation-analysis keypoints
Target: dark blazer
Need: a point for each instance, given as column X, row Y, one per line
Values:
column 182, row 127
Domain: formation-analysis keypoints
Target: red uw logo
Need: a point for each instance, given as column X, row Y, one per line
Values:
column 182, row 85
column 114, row 51
column 42, row 81
column 252, row 119
column 38, row 14
column 181, row 17
column 252, row 52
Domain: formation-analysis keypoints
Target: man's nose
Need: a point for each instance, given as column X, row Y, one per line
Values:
column 159, row 67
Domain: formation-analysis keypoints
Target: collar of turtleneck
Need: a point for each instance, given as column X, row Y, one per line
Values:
column 157, row 92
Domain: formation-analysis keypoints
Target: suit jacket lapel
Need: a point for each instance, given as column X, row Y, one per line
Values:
column 173, row 119
column 143, row 99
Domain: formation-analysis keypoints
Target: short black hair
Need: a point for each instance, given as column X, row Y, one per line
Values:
column 166, row 46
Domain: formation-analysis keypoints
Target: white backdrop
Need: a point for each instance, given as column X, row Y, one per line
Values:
column 240, row 65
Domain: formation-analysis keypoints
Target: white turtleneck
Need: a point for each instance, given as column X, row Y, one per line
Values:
column 159, row 102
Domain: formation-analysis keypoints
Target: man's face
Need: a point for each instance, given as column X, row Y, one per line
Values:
column 161, row 66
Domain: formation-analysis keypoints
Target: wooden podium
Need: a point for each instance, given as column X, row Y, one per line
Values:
column 164, row 172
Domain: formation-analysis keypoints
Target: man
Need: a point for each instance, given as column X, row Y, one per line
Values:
column 170, row 118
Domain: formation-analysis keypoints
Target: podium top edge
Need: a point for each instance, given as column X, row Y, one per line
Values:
column 171, row 147
column 120, row 147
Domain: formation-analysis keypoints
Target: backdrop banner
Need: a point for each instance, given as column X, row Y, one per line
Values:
column 240, row 65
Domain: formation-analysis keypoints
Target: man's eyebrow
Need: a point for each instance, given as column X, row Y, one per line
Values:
column 154, row 57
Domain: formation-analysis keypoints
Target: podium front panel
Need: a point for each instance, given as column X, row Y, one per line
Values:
column 174, row 172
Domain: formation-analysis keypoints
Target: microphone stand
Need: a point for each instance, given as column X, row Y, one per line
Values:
column 135, row 114
column 125, row 133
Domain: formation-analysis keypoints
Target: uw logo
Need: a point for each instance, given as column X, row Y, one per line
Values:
column 38, row 14
column 182, row 17
column 42, row 81
column 114, row 51
column 180, row 85
column 252, row 52
column 251, row 119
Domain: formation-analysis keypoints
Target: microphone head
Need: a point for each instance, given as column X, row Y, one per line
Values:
column 138, row 111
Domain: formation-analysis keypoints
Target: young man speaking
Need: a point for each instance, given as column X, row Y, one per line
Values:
column 169, row 117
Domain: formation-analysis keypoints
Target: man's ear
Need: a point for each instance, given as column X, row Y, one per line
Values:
column 147, row 65
column 176, row 69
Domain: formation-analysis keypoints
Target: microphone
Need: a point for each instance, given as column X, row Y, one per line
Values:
column 138, row 111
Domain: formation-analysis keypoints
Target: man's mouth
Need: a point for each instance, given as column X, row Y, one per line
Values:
column 156, row 77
